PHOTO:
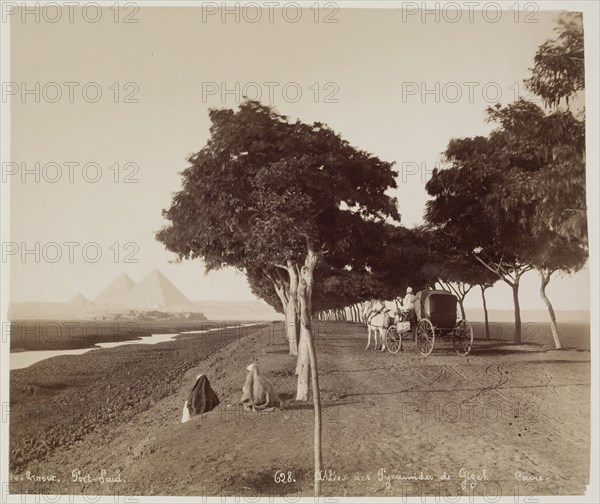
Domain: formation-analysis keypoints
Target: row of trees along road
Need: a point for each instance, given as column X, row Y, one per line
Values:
column 515, row 200
column 306, row 217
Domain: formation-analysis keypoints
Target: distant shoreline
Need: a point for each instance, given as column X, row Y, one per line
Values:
column 49, row 334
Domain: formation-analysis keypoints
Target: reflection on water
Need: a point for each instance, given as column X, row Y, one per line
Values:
column 146, row 340
column 20, row 360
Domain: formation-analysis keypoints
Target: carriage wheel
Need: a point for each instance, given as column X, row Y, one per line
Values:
column 425, row 337
column 393, row 339
column 463, row 338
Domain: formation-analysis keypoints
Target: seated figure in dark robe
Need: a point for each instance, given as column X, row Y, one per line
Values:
column 201, row 399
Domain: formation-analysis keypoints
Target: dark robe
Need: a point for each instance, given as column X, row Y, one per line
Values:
column 202, row 398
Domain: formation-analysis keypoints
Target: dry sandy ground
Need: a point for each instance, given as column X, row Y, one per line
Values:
column 504, row 420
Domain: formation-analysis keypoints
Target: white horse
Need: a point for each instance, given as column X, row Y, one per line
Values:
column 378, row 318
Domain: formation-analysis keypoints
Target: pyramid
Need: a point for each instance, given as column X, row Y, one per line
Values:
column 80, row 300
column 155, row 291
column 115, row 293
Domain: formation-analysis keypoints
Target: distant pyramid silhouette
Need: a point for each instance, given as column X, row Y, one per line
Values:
column 114, row 294
column 80, row 300
column 155, row 291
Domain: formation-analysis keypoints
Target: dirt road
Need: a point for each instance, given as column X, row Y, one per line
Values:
column 504, row 420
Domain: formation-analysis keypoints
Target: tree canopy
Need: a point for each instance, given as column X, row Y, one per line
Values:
column 263, row 186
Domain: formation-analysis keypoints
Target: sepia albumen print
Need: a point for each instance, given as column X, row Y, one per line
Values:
column 299, row 251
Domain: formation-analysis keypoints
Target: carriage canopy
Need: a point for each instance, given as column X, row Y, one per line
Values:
column 437, row 305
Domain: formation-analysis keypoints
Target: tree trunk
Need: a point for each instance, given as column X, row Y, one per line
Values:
column 303, row 367
column 553, row 326
column 290, row 321
column 462, row 307
column 515, row 289
column 305, row 291
column 518, row 270
column 283, row 295
column 485, row 313
column 293, row 316
column 303, row 362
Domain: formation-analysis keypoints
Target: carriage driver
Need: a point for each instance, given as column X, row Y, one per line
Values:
column 408, row 306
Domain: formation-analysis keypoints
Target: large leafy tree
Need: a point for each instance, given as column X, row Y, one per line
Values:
column 465, row 207
column 492, row 199
column 269, row 194
column 523, row 188
column 546, row 152
column 554, row 141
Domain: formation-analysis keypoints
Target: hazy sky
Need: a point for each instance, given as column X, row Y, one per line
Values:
column 376, row 74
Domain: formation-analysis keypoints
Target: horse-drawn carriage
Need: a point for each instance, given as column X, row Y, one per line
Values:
column 435, row 317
